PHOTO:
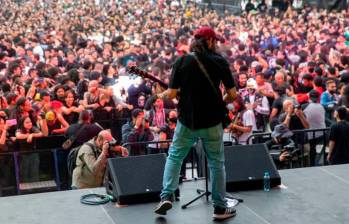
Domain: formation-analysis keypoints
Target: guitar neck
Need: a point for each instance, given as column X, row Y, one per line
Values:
column 146, row 75
column 154, row 79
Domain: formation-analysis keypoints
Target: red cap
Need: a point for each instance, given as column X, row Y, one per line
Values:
column 207, row 33
column 56, row 104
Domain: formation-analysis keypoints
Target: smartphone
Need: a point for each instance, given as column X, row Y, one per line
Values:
column 11, row 122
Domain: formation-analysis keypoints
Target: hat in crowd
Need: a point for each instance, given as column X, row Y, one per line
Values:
column 56, row 104
column 255, row 64
column 303, row 65
column 50, row 116
column 281, row 131
column 314, row 95
column 294, row 58
column 136, row 112
column 251, row 83
column 207, row 33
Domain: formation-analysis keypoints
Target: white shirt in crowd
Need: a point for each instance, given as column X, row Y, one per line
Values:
column 248, row 119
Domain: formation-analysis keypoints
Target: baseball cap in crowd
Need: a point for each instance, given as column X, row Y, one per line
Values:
column 207, row 33
column 255, row 64
column 56, row 104
column 294, row 58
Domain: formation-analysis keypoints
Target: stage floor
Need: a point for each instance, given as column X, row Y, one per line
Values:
column 311, row 195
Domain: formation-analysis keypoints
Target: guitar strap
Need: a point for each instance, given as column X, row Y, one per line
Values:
column 204, row 71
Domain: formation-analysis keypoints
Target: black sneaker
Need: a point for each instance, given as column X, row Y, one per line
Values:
column 163, row 207
column 221, row 213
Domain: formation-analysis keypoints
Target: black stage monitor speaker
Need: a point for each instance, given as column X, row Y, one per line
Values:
column 246, row 165
column 135, row 179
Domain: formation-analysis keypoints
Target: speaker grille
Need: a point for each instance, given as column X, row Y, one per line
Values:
column 137, row 179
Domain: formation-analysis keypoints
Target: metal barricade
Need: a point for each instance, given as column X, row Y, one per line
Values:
column 301, row 138
column 49, row 144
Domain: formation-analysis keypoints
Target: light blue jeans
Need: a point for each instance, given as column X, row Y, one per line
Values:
column 183, row 139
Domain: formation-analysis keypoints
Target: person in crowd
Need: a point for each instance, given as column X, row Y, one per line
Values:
column 293, row 116
column 3, row 106
column 244, row 122
column 55, row 121
column 277, row 106
column 258, row 104
column 344, row 99
column 135, row 90
column 241, row 84
column 262, row 6
column 91, row 161
column 167, row 131
column 91, row 98
column 137, row 130
column 339, row 144
column 6, row 165
column 3, row 133
column 329, row 99
column 263, row 87
column 281, row 147
column 315, row 115
column 59, row 93
column 71, row 108
column 84, row 130
column 157, row 117
column 29, row 162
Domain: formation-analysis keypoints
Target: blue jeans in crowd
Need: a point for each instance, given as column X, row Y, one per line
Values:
column 183, row 139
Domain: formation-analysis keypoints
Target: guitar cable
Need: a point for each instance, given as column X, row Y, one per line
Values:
column 95, row 199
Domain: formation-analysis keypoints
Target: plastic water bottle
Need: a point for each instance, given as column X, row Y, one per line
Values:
column 266, row 181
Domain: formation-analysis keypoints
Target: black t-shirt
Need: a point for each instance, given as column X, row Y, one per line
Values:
column 278, row 104
column 338, row 134
column 169, row 132
column 295, row 122
column 262, row 7
column 199, row 105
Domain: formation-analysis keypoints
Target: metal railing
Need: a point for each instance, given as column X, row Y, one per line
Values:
column 300, row 137
column 50, row 144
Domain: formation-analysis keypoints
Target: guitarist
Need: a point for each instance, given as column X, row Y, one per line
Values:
column 201, row 111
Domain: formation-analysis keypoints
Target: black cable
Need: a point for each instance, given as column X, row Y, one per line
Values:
column 95, row 199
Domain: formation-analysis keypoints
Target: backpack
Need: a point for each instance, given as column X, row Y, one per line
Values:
column 73, row 155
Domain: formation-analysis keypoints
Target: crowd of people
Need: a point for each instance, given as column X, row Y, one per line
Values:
column 64, row 62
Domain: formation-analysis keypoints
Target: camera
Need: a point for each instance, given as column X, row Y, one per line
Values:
column 112, row 143
column 112, row 153
column 292, row 151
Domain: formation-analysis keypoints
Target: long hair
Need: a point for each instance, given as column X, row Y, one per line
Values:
column 21, row 125
column 199, row 45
